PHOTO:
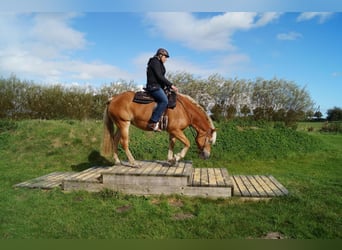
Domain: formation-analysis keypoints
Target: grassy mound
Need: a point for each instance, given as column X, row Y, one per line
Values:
column 308, row 165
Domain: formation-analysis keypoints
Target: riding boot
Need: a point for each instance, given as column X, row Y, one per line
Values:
column 154, row 126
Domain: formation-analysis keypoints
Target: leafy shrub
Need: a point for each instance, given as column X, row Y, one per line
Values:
column 7, row 125
column 332, row 127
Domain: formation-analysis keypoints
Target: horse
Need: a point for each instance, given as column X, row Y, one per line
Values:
column 122, row 111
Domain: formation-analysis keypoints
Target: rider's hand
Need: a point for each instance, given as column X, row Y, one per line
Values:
column 174, row 88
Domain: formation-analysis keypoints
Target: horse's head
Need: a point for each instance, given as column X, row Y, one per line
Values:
column 204, row 140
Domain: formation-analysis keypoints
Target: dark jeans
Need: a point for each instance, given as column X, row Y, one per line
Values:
column 161, row 99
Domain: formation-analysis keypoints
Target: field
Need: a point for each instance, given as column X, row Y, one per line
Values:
column 308, row 164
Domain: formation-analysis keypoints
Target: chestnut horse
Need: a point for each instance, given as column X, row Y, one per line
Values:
column 122, row 111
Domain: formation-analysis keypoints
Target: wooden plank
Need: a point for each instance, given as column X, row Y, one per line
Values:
column 219, row 178
column 257, row 186
column 241, row 186
column 48, row 181
column 179, row 170
column 225, row 176
column 249, row 186
column 188, row 169
column 148, row 168
column 270, row 185
column 156, row 169
column 204, row 177
column 171, row 171
column 121, row 169
column 80, row 175
column 279, row 185
column 139, row 171
column 196, row 181
column 163, row 171
column 264, row 185
column 212, row 177
column 91, row 174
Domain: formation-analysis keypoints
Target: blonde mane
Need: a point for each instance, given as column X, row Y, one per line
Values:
column 200, row 107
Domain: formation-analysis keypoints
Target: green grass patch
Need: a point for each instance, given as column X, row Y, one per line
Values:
column 307, row 164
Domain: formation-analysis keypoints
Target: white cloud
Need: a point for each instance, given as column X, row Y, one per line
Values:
column 289, row 36
column 322, row 16
column 212, row 33
column 224, row 64
column 42, row 46
column 336, row 74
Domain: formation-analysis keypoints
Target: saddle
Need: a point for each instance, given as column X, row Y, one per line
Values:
column 143, row 97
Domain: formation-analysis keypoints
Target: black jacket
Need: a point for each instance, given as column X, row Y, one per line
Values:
column 156, row 75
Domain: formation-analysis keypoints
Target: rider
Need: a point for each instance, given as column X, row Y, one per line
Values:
column 156, row 83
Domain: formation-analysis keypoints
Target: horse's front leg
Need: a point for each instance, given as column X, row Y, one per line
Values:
column 172, row 143
column 180, row 136
column 170, row 156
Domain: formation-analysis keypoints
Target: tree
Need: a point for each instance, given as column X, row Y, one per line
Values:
column 334, row 114
column 318, row 115
column 216, row 112
column 231, row 112
column 245, row 110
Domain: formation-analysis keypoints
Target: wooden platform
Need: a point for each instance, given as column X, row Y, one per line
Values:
column 157, row 177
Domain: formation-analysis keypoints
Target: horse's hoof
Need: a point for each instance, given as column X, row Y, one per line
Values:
column 135, row 166
column 172, row 162
column 131, row 165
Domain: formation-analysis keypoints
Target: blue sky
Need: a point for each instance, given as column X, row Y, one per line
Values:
column 76, row 46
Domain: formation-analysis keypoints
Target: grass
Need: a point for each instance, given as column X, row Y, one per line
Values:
column 307, row 164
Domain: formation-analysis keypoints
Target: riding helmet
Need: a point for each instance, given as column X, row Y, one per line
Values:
column 163, row 52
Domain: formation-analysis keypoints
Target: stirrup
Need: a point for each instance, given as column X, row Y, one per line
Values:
column 164, row 121
column 154, row 127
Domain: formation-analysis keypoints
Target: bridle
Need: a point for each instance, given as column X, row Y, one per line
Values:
column 206, row 140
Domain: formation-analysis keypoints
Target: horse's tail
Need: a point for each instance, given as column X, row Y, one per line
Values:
column 108, row 133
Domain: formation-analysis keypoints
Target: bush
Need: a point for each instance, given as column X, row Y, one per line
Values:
column 7, row 125
column 332, row 127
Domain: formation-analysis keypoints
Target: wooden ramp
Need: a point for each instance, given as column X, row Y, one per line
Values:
column 48, row 181
column 157, row 177
column 257, row 186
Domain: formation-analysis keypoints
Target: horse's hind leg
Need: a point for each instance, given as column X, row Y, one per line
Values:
column 125, row 141
column 116, row 140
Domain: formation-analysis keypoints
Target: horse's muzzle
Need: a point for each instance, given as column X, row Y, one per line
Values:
column 204, row 155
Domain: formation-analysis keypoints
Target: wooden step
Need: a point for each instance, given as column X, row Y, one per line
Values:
column 210, row 182
column 153, row 177
column 158, row 177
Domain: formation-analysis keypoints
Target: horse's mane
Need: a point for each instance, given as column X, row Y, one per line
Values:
column 198, row 106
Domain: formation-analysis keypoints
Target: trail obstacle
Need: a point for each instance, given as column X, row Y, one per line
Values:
column 157, row 177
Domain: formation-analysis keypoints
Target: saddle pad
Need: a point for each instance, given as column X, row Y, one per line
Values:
column 142, row 97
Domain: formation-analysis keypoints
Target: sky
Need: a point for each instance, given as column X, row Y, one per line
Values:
column 96, row 45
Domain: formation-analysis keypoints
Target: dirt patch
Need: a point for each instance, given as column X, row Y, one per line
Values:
column 183, row 216
column 274, row 236
column 124, row 208
column 56, row 143
column 175, row 202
